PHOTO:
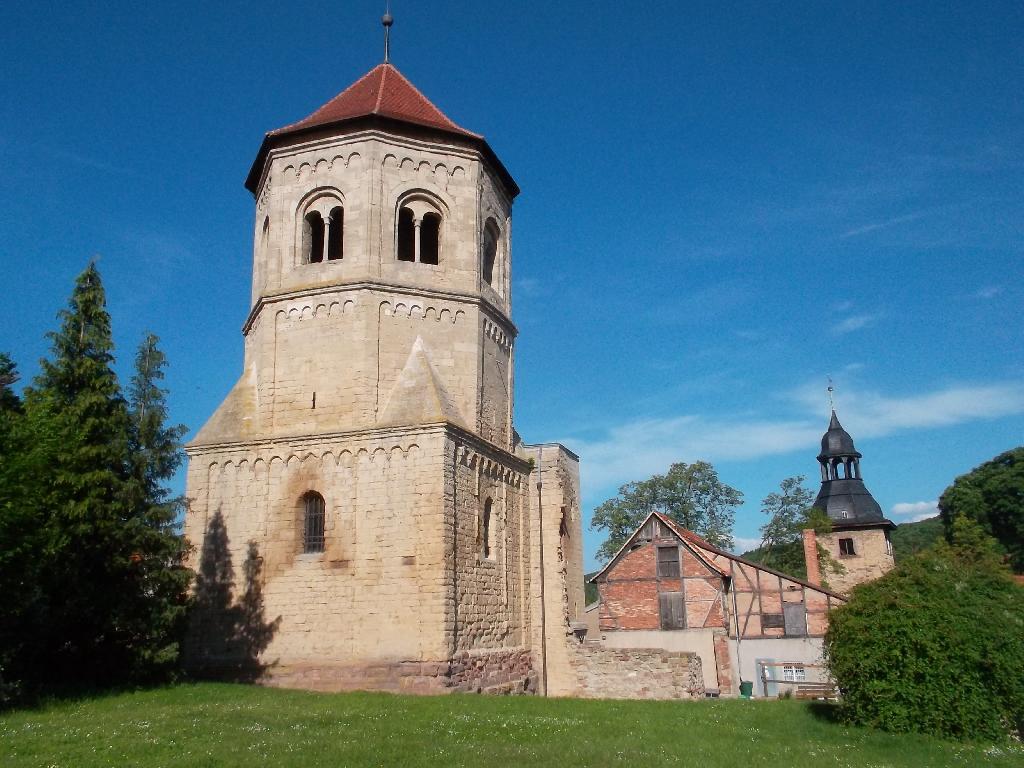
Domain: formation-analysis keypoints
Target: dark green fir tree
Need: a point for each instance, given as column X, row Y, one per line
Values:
column 86, row 570
column 159, row 548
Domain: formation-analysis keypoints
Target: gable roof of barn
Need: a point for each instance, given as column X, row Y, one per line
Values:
column 695, row 543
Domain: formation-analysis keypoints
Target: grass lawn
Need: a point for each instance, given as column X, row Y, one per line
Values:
column 236, row 725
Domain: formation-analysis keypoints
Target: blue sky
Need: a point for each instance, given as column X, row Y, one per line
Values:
column 721, row 206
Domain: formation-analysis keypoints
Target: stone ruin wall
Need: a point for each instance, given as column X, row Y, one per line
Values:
column 635, row 673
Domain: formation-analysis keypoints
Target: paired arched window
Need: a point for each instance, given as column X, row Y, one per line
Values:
column 323, row 232
column 418, row 238
column 490, row 251
column 486, row 532
column 313, row 522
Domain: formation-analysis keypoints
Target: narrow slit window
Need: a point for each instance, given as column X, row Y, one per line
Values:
column 313, row 522
column 336, row 234
column 490, row 253
column 486, row 542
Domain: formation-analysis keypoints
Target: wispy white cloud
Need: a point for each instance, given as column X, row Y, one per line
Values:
column 640, row 448
column 987, row 292
column 747, row 334
column 854, row 323
column 529, row 286
column 883, row 224
column 741, row 544
column 915, row 510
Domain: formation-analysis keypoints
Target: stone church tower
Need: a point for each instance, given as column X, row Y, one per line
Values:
column 362, row 484
column 859, row 540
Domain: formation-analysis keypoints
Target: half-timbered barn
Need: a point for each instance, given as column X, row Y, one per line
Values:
column 668, row 588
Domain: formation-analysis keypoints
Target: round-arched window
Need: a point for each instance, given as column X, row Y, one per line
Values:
column 313, row 520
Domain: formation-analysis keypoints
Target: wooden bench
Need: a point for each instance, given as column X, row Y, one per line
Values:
column 816, row 691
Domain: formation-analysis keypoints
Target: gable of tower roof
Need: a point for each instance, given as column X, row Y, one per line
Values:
column 384, row 92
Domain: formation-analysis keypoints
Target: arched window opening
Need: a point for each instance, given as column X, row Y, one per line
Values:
column 490, row 253
column 406, row 235
column 313, row 522
column 312, row 238
column 430, row 238
column 486, row 542
column 563, row 537
column 265, row 235
column 336, row 234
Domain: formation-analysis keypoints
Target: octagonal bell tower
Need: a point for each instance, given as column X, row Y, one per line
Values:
column 374, row 211
column 366, row 454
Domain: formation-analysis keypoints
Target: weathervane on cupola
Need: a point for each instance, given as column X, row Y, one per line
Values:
column 387, row 20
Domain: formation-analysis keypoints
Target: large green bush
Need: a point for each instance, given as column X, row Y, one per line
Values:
column 936, row 645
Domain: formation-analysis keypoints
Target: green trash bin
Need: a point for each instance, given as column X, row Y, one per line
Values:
column 746, row 689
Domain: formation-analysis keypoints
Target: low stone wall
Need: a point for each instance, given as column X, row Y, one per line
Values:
column 493, row 672
column 499, row 672
column 635, row 673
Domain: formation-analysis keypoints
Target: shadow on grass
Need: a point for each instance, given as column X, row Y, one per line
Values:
column 825, row 710
column 226, row 638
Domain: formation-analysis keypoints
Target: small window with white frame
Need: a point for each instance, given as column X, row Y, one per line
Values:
column 794, row 673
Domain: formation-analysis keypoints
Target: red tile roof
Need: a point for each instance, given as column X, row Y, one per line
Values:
column 385, row 92
column 382, row 95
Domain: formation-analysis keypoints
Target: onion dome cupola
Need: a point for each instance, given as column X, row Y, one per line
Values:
column 843, row 495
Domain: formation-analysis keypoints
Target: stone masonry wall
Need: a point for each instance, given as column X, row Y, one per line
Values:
column 873, row 557
column 635, row 673
column 487, row 609
column 556, row 559
column 376, row 593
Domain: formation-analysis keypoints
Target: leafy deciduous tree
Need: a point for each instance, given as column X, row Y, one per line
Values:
column 789, row 513
column 935, row 645
column 691, row 494
column 993, row 496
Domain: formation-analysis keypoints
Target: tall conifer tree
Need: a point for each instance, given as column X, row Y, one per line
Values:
column 19, row 534
column 159, row 549
column 78, row 400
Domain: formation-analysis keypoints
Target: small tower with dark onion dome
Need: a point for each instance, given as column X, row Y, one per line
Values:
column 860, row 532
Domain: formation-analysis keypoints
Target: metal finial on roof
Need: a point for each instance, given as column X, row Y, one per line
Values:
column 387, row 20
column 831, row 389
